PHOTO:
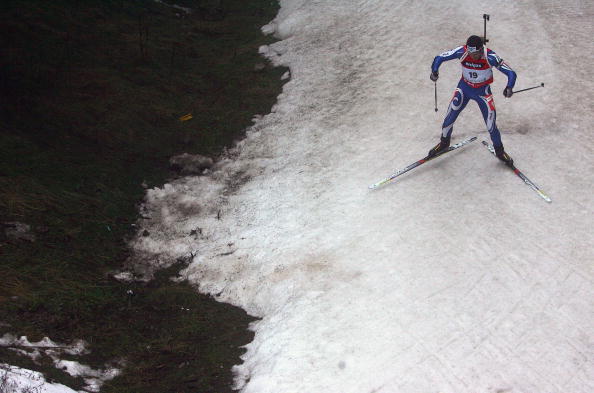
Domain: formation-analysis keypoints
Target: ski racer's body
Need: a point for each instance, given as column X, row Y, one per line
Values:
column 477, row 74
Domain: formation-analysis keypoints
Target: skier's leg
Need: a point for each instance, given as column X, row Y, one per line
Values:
column 457, row 105
column 487, row 106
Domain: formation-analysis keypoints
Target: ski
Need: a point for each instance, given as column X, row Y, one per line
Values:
column 522, row 176
column 420, row 162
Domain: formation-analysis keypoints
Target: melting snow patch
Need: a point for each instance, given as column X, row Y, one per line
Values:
column 177, row 7
column 190, row 164
column 93, row 378
column 35, row 350
column 20, row 380
column 124, row 276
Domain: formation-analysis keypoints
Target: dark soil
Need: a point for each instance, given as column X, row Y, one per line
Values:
column 91, row 95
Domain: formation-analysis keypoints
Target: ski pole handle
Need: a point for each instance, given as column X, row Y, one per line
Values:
column 435, row 83
column 530, row 88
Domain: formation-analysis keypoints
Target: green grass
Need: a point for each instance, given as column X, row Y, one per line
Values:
column 90, row 98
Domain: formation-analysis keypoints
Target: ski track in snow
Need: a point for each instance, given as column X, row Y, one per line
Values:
column 455, row 278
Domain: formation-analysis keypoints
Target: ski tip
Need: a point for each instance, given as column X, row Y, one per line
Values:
column 485, row 143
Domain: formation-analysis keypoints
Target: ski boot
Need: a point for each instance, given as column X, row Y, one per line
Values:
column 503, row 156
column 440, row 147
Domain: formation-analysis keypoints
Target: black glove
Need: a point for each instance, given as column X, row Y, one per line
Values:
column 434, row 76
column 508, row 92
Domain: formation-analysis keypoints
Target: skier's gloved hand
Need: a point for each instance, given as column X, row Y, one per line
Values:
column 508, row 92
column 434, row 76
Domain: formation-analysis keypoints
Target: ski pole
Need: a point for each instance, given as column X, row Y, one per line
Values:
column 435, row 83
column 530, row 88
column 486, row 17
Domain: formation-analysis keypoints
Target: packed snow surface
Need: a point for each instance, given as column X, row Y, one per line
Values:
column 456, row 278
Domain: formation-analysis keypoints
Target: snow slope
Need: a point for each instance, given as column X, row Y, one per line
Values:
column 457, row 277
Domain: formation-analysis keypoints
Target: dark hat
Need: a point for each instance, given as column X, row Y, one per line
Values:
column 474, row 42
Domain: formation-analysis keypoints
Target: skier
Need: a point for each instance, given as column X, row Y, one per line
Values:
column 477, row 74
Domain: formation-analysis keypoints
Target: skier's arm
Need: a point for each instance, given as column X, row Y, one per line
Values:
column 446, row 56
column 502, row 66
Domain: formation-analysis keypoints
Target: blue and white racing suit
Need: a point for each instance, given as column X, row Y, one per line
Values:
column 477, row 75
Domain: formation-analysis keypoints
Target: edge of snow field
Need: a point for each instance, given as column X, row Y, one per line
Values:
column 265, row 233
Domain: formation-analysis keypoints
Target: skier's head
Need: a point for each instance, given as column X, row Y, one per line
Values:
column 474, row 45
